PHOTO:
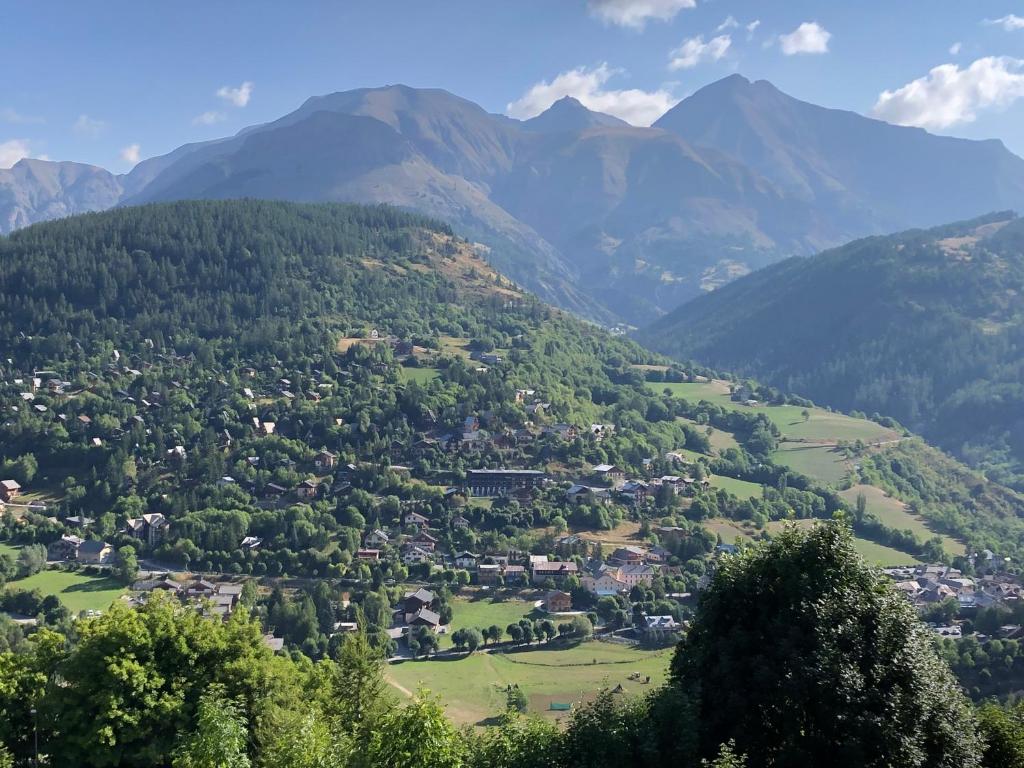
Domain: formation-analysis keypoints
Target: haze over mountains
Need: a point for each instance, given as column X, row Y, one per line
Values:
column 616, row 222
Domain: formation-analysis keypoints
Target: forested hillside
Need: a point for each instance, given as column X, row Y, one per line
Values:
column 924, row 326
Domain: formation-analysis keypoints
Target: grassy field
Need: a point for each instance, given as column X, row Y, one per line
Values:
column 473, row 688
column 821, row 462
column 419, row 375
column 483, row 613
column 741, row 488
column 728, row 530
column 77, row 591
column 893, row 513
column 881, row 555
column 822, row 425
column 9, row 549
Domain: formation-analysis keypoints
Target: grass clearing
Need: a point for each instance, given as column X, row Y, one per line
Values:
column 9, row 549
column 76, row 590
column 420, row 375
column 473, row 687
column 820, row 426
column 821, row 462
column 881, row 555
column 484, row 612
column 740, row 488
column 893, row 513
column 729, row 531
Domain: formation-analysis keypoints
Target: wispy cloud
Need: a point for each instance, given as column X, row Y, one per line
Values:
column 1011, row 22
column 14, row 117
column 636, row 13
column 88, row 126
column 729, row 23
column 13, row 150
column 752, row 28
column 809, row 37
column 954, row 49
column 589, row 87
column 131, row 153
column 239, row 96
column 209, row 118
column 949, row 95
column 694, row 50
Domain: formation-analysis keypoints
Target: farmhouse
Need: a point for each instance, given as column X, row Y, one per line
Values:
column 503, row 482
column 95, row 552
column 609, row 473
column 325, row 459
column 557, row 601
column 556, row 570
column 64, row 548
column 414, row 601
column 9, row 490
column 415, row 519
column 377, row 538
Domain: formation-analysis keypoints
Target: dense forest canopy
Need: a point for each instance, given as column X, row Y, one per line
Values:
column 923, row 326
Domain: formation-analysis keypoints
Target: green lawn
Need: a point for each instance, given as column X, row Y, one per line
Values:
column 483, row 613
column 893, row 513
column 420, row 375
column 881, row 555
column 9, row 549
column 728, row 530
column 741, row 488
column 822, row 425
column 473, row 687
column 77, row 591
column 821, row 462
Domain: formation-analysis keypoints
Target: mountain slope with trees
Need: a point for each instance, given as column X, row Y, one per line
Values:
column 615, row 222
column 924, row 326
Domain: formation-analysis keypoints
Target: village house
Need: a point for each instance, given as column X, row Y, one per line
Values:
column 557, row 601
column 466, row 560
column 415, row 556
column 503, row 482
column 487, row 574
column 9, row 490
column 635, row 491
column 425, row 617
column 460, row 522
column 556, row 570
column 603, row 584
column 251, row 543
column 377, row 538
column 325, row 460
column 634, row 574
column 415, row 519
column 425, row 540
column 93, row 552
column 415, row 601
column 370, row 555
column 307, row 489
column 150, row 528
column 627, row 555
column 609, row 473
column 64, row 548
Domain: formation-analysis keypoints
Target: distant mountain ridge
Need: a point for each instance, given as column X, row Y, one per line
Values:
column 615, row 222
column 925, row 326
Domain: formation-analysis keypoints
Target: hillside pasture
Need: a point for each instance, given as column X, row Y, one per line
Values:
column 825, row 463
column 894, row 513
column 740, row 488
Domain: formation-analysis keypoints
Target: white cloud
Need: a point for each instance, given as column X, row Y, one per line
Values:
column 1010, row 22
column 588, row 86
column 636, row 13
column 948, row 95
column 239, row 96
column 16, row 118
column 131, row 153
column 12, row 151
column 954, row 49
column 729, row 23
column 694, row 50
column 88, row 126
column 209, row 118
column 752, row 28
column 809, row 37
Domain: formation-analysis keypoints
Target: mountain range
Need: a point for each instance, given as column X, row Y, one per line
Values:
column 615, row 222
column 926, row 326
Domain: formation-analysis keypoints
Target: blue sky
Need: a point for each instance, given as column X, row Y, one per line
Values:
column 114, row 81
